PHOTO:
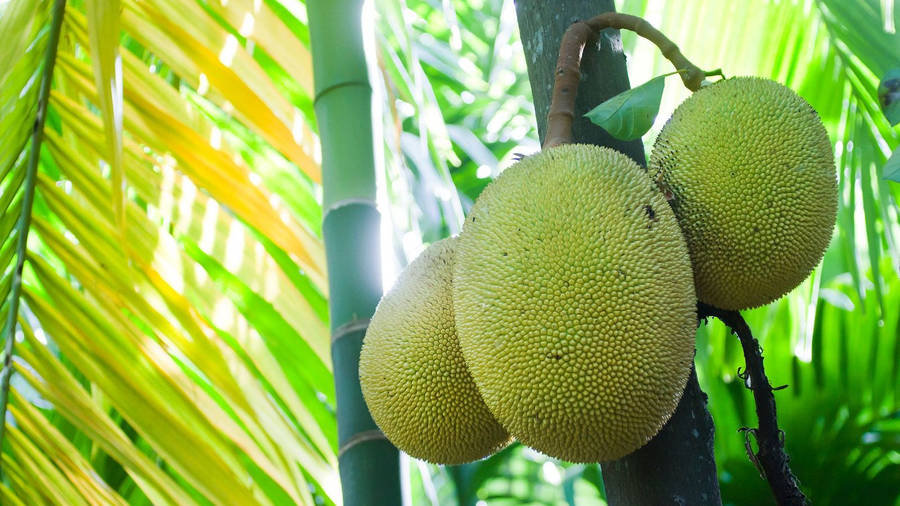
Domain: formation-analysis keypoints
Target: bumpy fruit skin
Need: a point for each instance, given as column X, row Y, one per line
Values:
column 751, row 174
column 412, row 373
column 575, row 304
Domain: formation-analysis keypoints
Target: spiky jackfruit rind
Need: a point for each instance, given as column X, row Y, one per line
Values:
column 575, row 303
column 751, row 173
column 412, row 373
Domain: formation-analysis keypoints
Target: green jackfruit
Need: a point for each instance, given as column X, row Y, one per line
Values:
column 575, row 303
column 412, row 373
column 750, row 173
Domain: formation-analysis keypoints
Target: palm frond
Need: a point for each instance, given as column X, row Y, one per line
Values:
column 173, row 324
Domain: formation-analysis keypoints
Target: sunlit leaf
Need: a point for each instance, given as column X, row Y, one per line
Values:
column 176, row 398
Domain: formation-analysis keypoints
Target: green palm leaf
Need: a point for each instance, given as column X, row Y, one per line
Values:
column 172, row 345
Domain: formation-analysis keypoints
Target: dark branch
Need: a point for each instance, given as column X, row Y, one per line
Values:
column 770, row 458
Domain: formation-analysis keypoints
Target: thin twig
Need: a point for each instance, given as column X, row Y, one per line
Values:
column 770, row 459
column 568, row 74
column 24, row 222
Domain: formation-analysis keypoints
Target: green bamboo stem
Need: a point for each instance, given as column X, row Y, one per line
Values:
column 24, row 222
column 369, row 463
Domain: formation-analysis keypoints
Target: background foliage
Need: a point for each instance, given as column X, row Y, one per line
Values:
column 172, row 345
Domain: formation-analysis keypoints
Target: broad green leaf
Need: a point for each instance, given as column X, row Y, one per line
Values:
column 185, row 328
column 630, row 114
column 20, row 22
column 871, row 218
column 23, row 25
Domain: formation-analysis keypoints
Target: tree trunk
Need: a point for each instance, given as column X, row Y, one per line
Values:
column 369, row 463
column 678, row 465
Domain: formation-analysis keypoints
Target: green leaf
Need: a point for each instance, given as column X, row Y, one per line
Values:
column 889, row 95
column 892, row 167
column 630, row 114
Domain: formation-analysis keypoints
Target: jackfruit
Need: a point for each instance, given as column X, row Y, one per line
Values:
column 575, row 303
column 412, row 374
column 751, row 176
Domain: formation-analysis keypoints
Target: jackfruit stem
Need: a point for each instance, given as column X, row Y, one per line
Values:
column 565, row 85
column 568, row 64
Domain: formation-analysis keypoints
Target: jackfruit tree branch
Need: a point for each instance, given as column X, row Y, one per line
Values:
column 565, row 87
column 770, row 458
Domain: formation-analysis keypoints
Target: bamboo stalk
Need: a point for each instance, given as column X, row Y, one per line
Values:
column 369, row 464
column 24, row 222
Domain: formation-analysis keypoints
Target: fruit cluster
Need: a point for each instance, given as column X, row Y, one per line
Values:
column 564, row 314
